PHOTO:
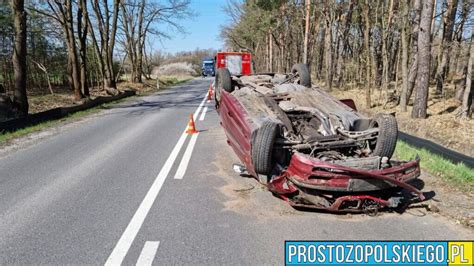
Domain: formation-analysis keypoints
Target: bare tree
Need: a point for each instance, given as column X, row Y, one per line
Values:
column 448, row 26
column 20, row 100
column 82, row 28
column 368, row 101
column 103, row 34
column 424, row 60
column 412, row 73
column 403, row 94
column 138, row 18
column 366, row 43
column 133, row 13
column 329, row 19
column 462, row 64
column 43, row 68
column 387, row 35
column 467, row 96
column 306, row 30
column 62, row 12
column 343, row 41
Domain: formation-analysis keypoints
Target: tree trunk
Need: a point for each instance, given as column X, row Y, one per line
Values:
column 82, row 25
column 412, row 74
column 376, row 50
column 306, row 31
column 458, row 38
column 386, row 48
column 20, row 100
column 433, row 18
column 368, row 101
column 139, row 68
column 73, row 63
column 424, row 60
column 270, row 49
column 129, row 31
column 403, row 94
column 343, row 44
column 267, row 53
column 45, row 71
column 448, row 26
column 107, row 30
column 467, row 96
column 67, row 22
column 328, row 47
column 141, row 43
column 282, row 38
column 319, row 68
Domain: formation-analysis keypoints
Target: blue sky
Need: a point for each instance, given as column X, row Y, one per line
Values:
column 202, row 29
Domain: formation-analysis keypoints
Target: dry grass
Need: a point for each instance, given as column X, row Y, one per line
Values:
column 442, row 126
column 46, row 102
column 41, row 100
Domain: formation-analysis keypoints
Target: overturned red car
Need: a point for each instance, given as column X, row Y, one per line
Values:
column 309, row 148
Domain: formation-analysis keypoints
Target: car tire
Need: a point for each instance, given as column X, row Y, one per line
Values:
column 388, row 134
column 224, row 80
column 303, row 73
column 262, row 150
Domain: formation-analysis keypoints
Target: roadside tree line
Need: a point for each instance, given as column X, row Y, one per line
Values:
column 78, row 44
column 373, row 44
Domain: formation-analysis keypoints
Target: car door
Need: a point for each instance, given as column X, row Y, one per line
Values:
column 238, row 129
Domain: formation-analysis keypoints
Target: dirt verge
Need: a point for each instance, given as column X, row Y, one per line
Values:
column 442, row 126
column 448, row 201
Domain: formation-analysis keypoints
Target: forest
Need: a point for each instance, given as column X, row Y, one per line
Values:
column 400, row 52
column 79, row 45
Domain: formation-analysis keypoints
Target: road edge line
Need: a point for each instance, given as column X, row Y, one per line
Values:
column 183, row 165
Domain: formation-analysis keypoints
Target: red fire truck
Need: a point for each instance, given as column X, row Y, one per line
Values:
column 238, row 63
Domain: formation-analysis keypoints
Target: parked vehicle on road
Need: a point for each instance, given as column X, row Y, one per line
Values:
column 208, row 67
column 237, row 63
column 310, row 148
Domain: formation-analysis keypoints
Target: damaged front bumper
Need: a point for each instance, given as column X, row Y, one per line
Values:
column 312, row 183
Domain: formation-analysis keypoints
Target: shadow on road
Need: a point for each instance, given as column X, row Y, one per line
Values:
column 184, row 96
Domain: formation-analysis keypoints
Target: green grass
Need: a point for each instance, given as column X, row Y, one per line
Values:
column 457, row 174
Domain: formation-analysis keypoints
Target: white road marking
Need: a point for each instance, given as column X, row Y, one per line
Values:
column 148, row 253
column 126, row 240
column 183, row 166
column 203, row 114
column 200, row 107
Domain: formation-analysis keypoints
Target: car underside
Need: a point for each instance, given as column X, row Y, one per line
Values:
column 310, row 148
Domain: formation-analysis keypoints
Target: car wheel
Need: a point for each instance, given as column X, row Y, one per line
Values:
column 388, row 134
column 223, row 80
column 304, row 78
column 262, row 150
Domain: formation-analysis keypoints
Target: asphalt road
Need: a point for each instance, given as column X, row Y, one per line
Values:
column 104, row 190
